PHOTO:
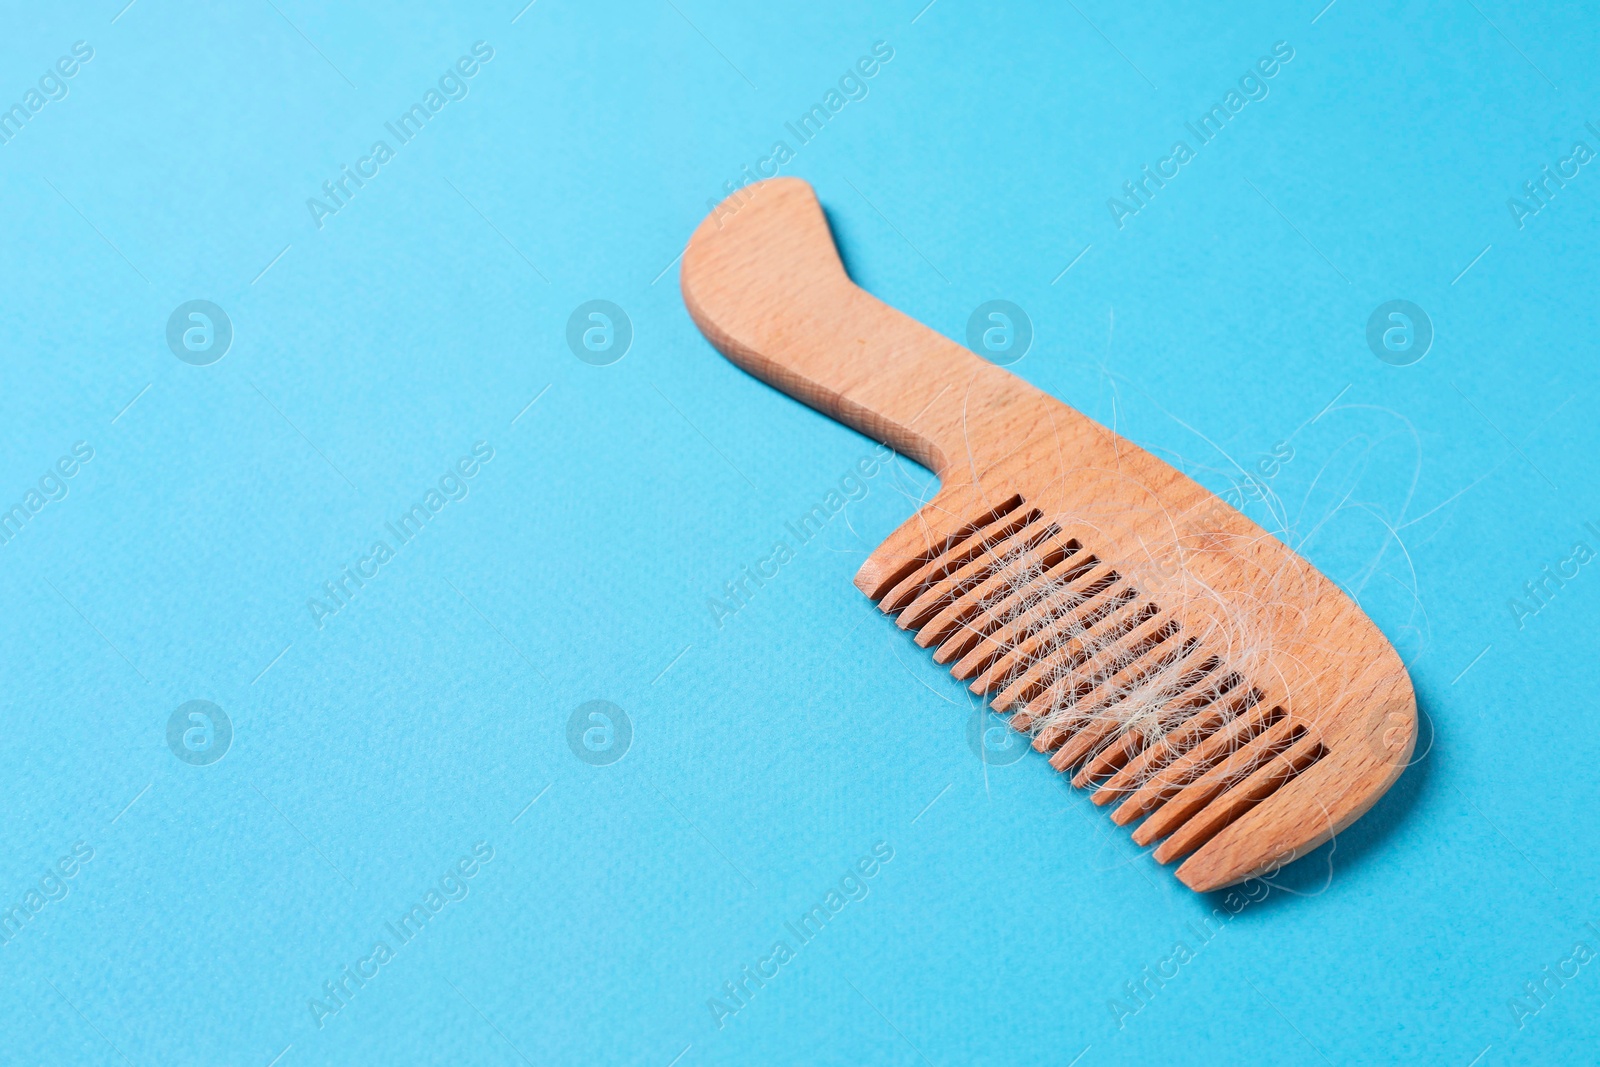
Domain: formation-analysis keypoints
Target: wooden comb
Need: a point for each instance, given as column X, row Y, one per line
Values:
column 1162, row 647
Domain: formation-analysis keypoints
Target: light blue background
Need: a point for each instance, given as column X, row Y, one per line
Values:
column 770, row 754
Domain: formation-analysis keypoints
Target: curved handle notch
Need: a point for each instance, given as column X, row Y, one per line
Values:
column 762, row 279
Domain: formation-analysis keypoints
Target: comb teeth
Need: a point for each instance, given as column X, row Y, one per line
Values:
column 1105, row 680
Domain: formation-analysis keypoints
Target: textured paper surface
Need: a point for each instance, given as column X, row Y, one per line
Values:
column 769, row 749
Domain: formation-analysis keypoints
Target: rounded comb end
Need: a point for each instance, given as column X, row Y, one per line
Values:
column 1307, row 812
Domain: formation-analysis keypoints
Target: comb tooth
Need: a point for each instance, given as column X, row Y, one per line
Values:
column 994, row 601
column 971, row 627
column 1021, row 623
column 1095, row 683
column 1087, row 658
column 994, row 559
column 1224, row 810
column 1198, row 715
column 1113, row 757
column 967, row 622
column 1204, row 756
column 1117, row 664
column 1056, row 666
column 1164, row 774
column 998, row 558
column 1056, row 662
column 1084, row 742
column 907, row 550
column 1161, row 752
column 1060, row 640
column 940, row 594
column 1216, row 781
column 949, row 561
column 1079, row 582
column 1104, row 722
